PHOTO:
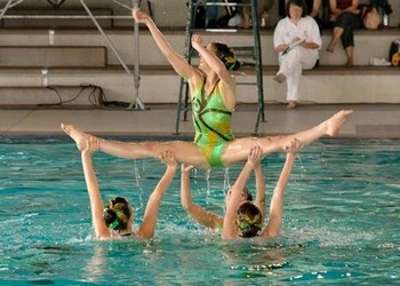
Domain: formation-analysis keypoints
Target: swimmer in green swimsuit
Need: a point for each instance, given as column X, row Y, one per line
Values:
column 212, row 123
column 210, row 219
column 213, row 91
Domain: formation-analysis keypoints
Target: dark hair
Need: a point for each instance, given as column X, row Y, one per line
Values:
column 227, row 56
column 300, row 3
column 249, row 220
column 117, row 214
column 249, row 197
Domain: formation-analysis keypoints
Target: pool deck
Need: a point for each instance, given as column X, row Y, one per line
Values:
column 368, row 120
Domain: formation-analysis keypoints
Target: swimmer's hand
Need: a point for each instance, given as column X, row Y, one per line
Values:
column 140, row 16
column 293, row 147
column 185, row 168
column 168, row 158
column 255, row 156
column 197, row 40
column 90, row 146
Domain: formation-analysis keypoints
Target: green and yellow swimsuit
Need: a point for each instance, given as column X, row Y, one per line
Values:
column 212, row 123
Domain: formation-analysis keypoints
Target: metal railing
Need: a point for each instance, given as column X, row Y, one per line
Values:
column 136, row 102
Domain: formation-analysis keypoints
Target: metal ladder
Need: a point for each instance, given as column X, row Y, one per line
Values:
column 243, row 51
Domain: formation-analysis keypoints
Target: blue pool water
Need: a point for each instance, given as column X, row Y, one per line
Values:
column 341, row 223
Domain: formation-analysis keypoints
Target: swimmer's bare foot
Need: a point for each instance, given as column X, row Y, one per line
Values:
column 80, row 138
column 334, row 123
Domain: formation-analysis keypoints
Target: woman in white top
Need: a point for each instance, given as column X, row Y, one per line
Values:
column 297, row 39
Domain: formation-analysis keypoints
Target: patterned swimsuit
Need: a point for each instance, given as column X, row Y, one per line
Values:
column 212, row 123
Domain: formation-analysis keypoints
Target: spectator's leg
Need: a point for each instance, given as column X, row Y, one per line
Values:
column 336, row 34
column 343, row 21
column 291, row 68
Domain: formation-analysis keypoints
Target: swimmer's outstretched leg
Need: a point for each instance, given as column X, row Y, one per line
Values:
column 238, row 149
column 185, row 152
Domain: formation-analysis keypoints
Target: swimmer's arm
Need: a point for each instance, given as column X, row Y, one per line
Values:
column 180, row 65
column 229, row 229
column 260, row 187
column 147, row 228
column 203, row 217
column 227, row 80
column 96, row 204
column 273, row 228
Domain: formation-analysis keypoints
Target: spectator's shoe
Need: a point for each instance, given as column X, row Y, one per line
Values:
column 349, row 63
column 279, row 77
column 291, row 105
column 373, row 61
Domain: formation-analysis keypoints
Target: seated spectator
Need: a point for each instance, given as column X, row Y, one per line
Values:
column 297, row 39
column 346, row 17
column 313, row 9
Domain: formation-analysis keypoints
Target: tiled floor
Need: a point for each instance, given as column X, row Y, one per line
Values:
column 381, row 121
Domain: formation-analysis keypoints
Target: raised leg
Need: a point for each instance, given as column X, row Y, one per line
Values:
column 238, row 149
column 185, row 152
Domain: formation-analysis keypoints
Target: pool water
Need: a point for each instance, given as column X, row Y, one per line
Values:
column 341, row 222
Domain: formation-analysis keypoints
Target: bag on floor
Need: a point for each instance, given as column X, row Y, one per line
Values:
column 394, row 53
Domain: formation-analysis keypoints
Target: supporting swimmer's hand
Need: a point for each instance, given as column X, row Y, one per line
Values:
column 168, row 158
column 255, row 156
column 185, row 168
column 140, row 16
column 197, row 40
column 293, row 147
column 90, row 145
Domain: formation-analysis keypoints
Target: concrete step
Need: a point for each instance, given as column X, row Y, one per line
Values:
column 368, row 44
column 9, row 22
column 53, row 56
column 326, row 85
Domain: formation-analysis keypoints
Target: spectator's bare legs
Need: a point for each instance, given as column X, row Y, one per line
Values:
column 336, row 34
column 350, row 55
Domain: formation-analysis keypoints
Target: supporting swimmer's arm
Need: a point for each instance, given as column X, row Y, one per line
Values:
column 146, row 230
column 203, row 217
column 260, row 187
column 273, row 228
column 229, row 229
column 179, row 64
column 96, row 204
column 227, row 81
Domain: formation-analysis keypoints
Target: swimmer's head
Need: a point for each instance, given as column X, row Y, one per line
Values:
column 248, row 220
column 117, row 215
column 225, row 54
column 245, row 195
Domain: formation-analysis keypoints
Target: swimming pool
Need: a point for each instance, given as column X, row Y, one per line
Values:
column 341, row 224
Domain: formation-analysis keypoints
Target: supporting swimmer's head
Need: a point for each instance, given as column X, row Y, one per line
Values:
column 226, row 55
column 118, row 214
column 248, row 220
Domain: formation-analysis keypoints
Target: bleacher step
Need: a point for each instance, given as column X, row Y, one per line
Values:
column 53, row 56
